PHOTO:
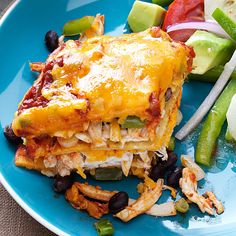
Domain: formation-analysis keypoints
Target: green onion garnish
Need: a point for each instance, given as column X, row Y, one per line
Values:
column 104, row 227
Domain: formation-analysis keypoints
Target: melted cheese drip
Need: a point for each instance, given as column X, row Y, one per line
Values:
column 80, row 171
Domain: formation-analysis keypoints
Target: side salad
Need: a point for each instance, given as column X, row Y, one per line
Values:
column 213, row 49
column 209, row 27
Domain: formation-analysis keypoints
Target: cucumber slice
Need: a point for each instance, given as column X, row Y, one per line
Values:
column 228, row 6
column 228, row 24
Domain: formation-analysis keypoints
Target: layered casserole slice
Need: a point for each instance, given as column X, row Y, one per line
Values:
column 107, row 101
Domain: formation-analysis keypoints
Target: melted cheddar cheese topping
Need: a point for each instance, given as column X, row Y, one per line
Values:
column 104, row 78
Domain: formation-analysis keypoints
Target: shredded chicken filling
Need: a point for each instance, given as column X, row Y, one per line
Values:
column 65, row 164
column 99, row 134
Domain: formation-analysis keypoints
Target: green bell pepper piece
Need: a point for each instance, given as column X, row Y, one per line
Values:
column 77, row 26
column 182, row 205
column 171, row 145
column 108, row 174
column 104, row 227
column 133, row 122
column 213, row 124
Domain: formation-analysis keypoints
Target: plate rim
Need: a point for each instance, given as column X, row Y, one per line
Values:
column 19, row 200
column 3, row 180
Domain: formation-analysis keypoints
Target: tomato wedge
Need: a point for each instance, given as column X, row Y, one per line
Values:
column 183, row 11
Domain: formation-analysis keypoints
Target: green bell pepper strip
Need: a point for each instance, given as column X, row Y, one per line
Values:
column 108, row 174
column 163, row 3
column 211, row 75
column 132, row 122
column 104, row 227
column 225, row 22
column 213, row 124
column 182, row 205
column 78, row 26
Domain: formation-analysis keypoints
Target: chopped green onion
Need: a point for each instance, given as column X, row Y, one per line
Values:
column 163, row 3
column 104, row 228
column 171, row 145
column 211, row 75
column 133, row 122
column 77, row 26
column 108, row 174
column 225, row 22
column 181, row 205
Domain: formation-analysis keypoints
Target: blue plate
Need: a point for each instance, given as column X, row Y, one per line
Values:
column 22, row 32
